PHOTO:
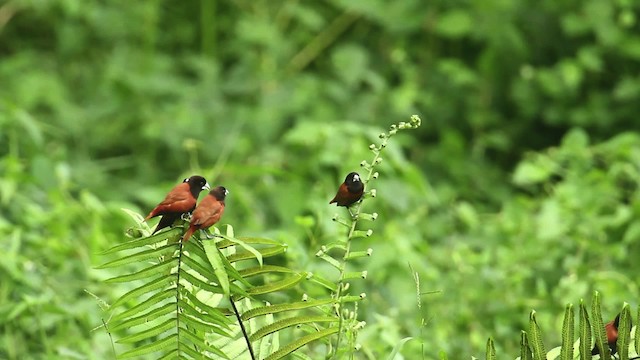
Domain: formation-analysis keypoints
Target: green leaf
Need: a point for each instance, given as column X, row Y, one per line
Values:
column 195, row 250
column 525, row 350
column 274, row 309
column 567, row 334
column 248, row 240
column 234, row 274
column 454, row 23
column 264, row 252
column 201, row 344
column 154, row 270
column 147, row 288
column 533, row 170
column 194, row 322
column 147, row 317
column 215, row 258
column 398, row 347
column 278, row 285
column 134, row 215
column 150, row 348
column 599, row 331
column 138, row 257
column 491, row 350
column 171, row 355
column 188, row 350
column 137, row 243
column 204, row 271
column 360, row 234
column 333, row 262
column 264, row 269
column 291, row 347
column 288, row 322
column 636, row 342
column 250, row 249
column 145, row 305
column 585, row 333
column 208, row 313
column 535, row 334
column 148, row 333
column 318, row 279
column 195, row 281
column 624, row 333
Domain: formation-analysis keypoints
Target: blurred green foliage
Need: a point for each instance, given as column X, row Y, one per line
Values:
column 519, row 192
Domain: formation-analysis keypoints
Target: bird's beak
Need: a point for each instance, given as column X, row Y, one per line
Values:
column 206, row 186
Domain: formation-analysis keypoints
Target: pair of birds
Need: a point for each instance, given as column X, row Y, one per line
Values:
column 183, row 197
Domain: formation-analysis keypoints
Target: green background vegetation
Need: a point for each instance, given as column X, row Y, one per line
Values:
column 520, row 190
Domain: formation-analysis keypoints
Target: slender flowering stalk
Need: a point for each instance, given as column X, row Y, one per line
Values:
column 348, row 322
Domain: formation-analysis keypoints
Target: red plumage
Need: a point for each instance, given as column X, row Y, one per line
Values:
column 180, row 200
column 208, row 212
column 350, row 191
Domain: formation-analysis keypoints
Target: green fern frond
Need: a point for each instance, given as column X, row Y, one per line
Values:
column 148, row 288
column 636, row 342
column 274, row 309
column 331, row 286
column 280, row 285
column 288, row 322
column 293, row 346
column 598, row 327
column 535, row 334
column 180, row 290
column 566, row 352
column 159, row 268
column 147, row 255
column 140, row 242
column 585, row 332
column 491, row 350
column 624, row 333
column 525, row 350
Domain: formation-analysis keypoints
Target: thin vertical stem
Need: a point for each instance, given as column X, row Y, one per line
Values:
column 244, row 331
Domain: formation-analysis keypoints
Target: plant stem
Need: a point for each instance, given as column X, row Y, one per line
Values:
column 244, row 331
column 343, row 264
column 113, row 347
column 377, row 150
column 178, row 293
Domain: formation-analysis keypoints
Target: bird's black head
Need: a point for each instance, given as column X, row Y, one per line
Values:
column 196, row 184
column 354, row 183
column 219, row 192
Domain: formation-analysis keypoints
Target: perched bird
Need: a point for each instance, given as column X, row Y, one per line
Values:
column 180, row 200
column 612, row 336
column 350, row 191
column 208, row 212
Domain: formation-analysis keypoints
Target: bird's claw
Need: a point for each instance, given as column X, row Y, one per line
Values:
column 209, row 235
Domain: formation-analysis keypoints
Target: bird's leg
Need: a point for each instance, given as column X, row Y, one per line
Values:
column 353, row 217
column 209, row 235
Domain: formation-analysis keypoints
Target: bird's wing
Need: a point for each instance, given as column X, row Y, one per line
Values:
column 177, row 200
column 208, row 212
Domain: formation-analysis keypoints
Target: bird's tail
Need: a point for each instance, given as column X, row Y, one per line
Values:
column 188, row 234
